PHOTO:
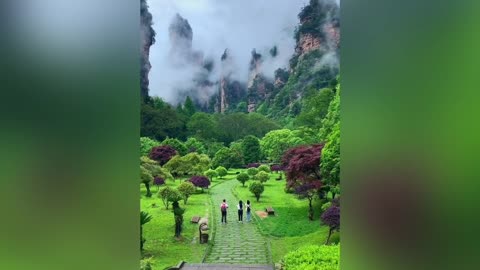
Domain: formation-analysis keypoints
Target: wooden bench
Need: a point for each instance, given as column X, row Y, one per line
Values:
column 270, row 211
column 195, row 219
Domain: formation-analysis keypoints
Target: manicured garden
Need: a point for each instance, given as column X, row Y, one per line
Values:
column 290, row 228
column 161, row 245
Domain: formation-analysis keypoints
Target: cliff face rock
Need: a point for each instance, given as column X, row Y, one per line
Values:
column 230, row 91
column 255, row 65
column 147, row 39
column 180, row 33
column 332, row 32
column 307, row 43
column 319, row 27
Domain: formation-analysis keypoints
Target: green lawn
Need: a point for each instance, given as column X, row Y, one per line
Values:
column 290, row 228
column 161, row 245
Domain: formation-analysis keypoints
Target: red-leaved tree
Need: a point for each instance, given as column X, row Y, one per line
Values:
column 200, row 181
column 302, row 168
column 331, row 218
column 162, row 153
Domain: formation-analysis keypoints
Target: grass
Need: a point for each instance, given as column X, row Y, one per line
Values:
column 290, row 228
column 161, row 244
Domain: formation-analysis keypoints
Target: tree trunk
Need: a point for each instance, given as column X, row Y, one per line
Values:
column 149, row 193
column 333, row 195
column 258, row 198
column 141, row 238
column 328, row 238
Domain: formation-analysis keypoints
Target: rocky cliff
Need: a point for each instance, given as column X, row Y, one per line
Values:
column 319, row 27
column 147, row 39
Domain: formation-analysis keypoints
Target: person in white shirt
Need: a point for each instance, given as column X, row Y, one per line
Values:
column 240, row 211
column 223, row 209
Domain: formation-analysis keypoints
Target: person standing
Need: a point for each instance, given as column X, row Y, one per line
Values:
column 240, row 211
column 248, row 206
column 223, row 209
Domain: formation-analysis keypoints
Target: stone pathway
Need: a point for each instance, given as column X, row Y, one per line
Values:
column 225, row 267
column 234, row 242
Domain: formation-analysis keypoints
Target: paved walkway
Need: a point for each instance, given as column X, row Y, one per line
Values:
column 225, row 267
column 234, row 242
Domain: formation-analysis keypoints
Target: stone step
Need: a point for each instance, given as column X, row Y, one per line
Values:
column 200, row 266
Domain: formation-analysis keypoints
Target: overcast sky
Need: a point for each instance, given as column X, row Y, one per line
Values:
column 239, row 25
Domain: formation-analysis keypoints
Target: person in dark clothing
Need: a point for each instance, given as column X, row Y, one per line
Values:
column 240, row 211
column 248, row 206
column 223, row 209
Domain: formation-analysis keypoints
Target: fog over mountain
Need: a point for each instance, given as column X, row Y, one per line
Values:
column 216, row 25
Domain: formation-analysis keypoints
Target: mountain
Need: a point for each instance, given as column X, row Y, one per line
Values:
column 313, row 66
column 147, row 39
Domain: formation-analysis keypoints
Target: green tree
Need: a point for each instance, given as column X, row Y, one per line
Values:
column 314, row 108
column 178, row 217
column 264, row 168
column 242, row 178
column 251, row 149
column 202, row 126
column 252, row 171
column 146, row 178
column 186, row 189
column 228, row 158
column 194, row 145
column 330, row 161
column 332, row 117
column 146, row 144
column 213, row 147
column 262, row 176
column 189, row 107
column 221, row 171
column 210, row 174
column 190, row 164
column 154, row 169
column 256, row 188
column 176, row 144
column 276, row 142
column 168, row 195
column 161, row 123
column 241, row 107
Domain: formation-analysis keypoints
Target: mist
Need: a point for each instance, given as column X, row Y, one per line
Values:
column 217, row 25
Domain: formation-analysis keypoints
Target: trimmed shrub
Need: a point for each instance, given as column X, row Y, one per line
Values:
column 313, row 257
column 210, row 174
column 262, row 176
column 242, row 178
column 186, row 189
column 221, row 171
column 264, row 168
column 256, row 188
column 168, row 195
column 252, row 171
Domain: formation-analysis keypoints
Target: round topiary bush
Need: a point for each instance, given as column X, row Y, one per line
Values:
column 264, row 168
